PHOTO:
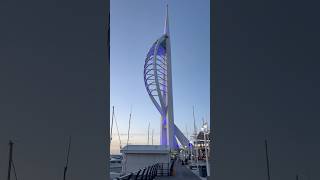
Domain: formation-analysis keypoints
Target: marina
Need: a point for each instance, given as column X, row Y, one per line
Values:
column 189, row 163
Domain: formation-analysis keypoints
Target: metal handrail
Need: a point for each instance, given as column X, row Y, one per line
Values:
column 142, row 175
column 136, row 178
column 149, row 173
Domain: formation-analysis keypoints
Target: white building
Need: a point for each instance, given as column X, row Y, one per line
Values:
column 136, row 157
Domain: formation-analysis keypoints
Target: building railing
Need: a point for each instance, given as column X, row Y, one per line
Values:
column 150, row 172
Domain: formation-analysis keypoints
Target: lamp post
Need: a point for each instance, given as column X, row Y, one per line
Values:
column 204, row 129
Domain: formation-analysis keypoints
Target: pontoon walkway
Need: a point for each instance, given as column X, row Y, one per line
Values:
column 180, row 172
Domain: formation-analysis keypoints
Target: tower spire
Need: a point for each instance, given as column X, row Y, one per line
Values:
column 166, row 25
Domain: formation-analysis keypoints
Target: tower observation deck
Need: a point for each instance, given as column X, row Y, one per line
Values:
column 158, row 83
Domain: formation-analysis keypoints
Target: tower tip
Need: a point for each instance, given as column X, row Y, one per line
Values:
column 167, row 9
column 166, row 28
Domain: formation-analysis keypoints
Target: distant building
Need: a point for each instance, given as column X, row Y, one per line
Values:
column 200, row 145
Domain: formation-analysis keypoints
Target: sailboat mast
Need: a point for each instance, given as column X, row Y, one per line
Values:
column 10, row 159
column 195, row 135
column 111, row 123
column 148, row 132
column 152, row 137
column 129, row 127
column 194, row 121
column 126, row 158
column 187, row 131
column 115, row 120
column 267, row 158
column 67, row 161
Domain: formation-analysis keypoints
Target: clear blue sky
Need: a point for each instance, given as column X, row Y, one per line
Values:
column 135, row 25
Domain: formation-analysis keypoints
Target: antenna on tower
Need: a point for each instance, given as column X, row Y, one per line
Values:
column 166, row 26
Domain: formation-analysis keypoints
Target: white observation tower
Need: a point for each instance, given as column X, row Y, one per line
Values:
column 158, row 82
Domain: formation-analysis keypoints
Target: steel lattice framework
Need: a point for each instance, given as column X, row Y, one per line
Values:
column 155, row 75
